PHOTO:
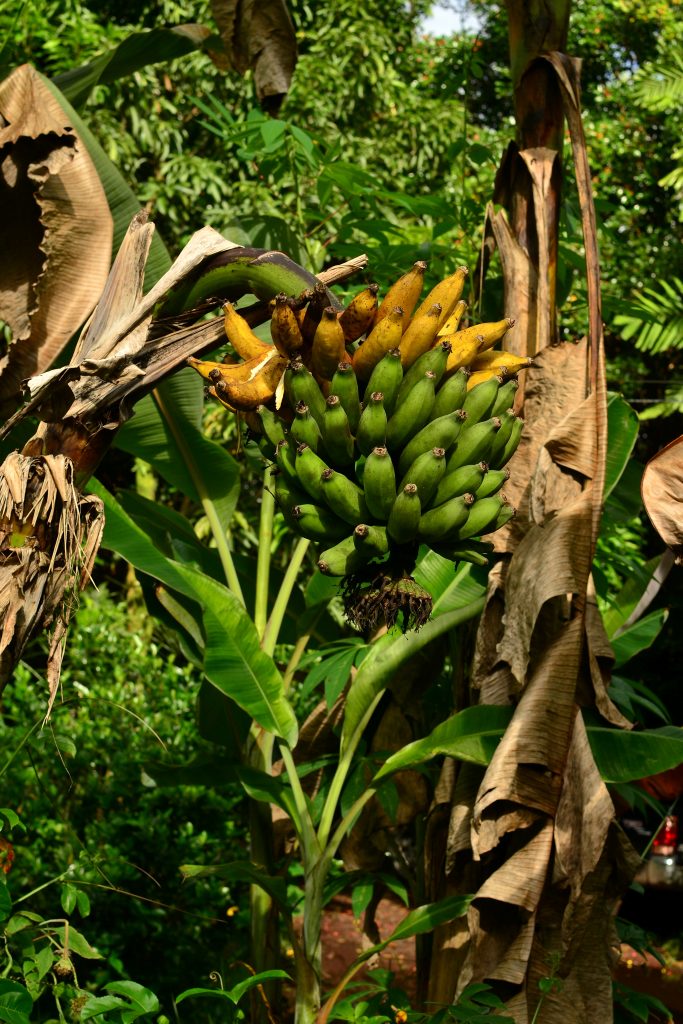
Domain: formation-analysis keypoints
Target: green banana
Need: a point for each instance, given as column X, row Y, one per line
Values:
column 387, row 377
column 304, row 429
column 474, row 552
column 474, row 444
column 301, row 386
column 318, row 523
column 272, row 425
column 480, row 400
column 371, row 541
column 288, row 495
column 309, row 470
column 507, row 422
column 379, row 483
column 241, row 271
column 438, row 433
column 460, row 481
column 404, row 519
column 442, row 523
column 345, row 385
column 426, row 472
column 451, row 394
column 344, row 497
column 411, row 413
column 506, row 397
column 435, row 360
column 337, row 434
column 285, row 459
column 372, row 428
column 511, row 446
column 507, row 512
column 342, row 559
column 491, row 483
column 481, row 517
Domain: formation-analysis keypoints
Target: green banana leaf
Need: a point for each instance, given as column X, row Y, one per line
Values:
column 423, row 919
column 622, row 432
column 234, row 994
column 171, row 533
column 240, row 871
column 386, row 657
column 450, row 589
column 628, row 597
column 638, row 637
column 473, row 734
column 166, row 432
column 202, row 771
column 138, row 50
column 624, row 755
column 120, row 196
column 233, row 659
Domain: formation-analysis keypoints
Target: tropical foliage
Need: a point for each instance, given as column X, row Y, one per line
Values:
column 387, row 143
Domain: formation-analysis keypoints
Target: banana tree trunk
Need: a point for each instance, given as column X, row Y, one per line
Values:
column 534, row 836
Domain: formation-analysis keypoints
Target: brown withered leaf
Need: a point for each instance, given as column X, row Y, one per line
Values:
column 258, row 35
column 49, row 535
column 543, row 859
column 662, row 492
column 55, row 231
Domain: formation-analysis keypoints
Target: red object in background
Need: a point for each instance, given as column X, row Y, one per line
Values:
column 6, row 856
column 666, row 840
column 666, row 786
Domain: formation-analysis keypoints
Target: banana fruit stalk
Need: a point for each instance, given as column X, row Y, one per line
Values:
column 389, row 429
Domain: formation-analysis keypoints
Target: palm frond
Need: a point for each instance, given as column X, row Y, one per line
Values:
column 670, row 404
column 654, row 319
column 674, row 179
column 659, row 86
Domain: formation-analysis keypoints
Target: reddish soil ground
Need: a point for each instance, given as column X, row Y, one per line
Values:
column 342, row 942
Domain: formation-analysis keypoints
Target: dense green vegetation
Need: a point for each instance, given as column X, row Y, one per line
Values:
column 387, row 143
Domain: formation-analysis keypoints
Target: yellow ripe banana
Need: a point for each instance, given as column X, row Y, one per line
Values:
column 496, row 358
column 479, row 376
column 463, row 350
column 259, row 389
column 491, row 333
column 382, row 338
column 284, row 327
column 359, row 315
column 314, row 312
column 404, row 293
column 235, row 372
column 420, row 335
column 241, row 336
column 446, row 293
column 211, row 392
column 253, row 421
column 328, row 345
column 300, row 304
column 452, row 324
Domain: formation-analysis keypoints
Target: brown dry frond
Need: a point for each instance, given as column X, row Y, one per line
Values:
column 49, row 535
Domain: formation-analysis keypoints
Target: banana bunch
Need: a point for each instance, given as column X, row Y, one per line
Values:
column 391, row 428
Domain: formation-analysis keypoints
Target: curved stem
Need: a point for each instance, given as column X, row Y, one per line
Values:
column 296, row 656
column 272, row 629
column 265, row 538
column 337, row 784
column 309, row 842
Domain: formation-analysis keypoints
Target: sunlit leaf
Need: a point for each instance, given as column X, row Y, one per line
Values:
column 638, row 637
